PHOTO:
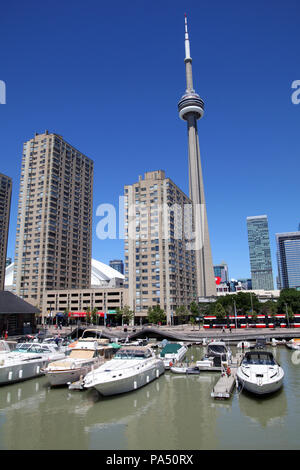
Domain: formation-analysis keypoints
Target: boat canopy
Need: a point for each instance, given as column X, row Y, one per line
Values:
column 82, row 353
column 170, row 348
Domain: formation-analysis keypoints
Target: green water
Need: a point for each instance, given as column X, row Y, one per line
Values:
column 173, row 412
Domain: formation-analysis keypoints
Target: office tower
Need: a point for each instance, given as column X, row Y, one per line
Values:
column 221, row 271
column 54, row 225
column 117, row 264
column 191, row 108
column 260, row 252
column 5, row 198
column 159, row 264
column 288, row 259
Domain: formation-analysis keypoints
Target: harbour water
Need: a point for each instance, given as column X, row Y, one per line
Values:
column 174, row 412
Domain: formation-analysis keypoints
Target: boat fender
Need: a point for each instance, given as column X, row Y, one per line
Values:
column 170, row 363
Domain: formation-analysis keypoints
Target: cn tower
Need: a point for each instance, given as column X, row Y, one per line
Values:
column 191, row 108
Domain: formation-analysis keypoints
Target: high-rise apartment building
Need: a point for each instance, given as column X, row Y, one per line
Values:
column 160, row 267
column 117, row 264
column 288, row 259
column 54, row 225
column 5, row 198
column 260, row 253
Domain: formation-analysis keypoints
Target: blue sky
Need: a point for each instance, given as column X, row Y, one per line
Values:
column 108, row 76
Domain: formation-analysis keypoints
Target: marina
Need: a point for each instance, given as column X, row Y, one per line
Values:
column 209, row 401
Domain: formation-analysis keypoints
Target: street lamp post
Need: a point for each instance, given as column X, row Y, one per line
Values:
column 287, row 315
column 235, row 314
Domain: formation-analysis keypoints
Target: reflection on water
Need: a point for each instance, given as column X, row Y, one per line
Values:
column 173, row 412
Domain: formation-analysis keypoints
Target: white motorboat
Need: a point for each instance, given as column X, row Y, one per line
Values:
column 172, row 354
column 83, row 357
column 27, row 360
column 217, row 357
column 277, row 342
column 131, row 368
column 191, row 369
column 293, row 344
column 259, row 373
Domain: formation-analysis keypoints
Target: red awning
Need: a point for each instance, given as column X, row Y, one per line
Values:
column 83, row 314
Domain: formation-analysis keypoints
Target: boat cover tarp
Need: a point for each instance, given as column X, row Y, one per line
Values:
column 170, row 348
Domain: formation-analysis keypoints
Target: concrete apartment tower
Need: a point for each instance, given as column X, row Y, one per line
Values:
column 5, row 198
column 191, row 108
column 54, row 225
column 159, row 269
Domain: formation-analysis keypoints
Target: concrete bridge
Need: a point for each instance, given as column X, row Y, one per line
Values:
column 190, row 335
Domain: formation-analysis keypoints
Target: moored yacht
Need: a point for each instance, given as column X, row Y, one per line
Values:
column 83, row 357
column 172, row 354
column 259, row 373
column 27, row 360
column 217, row 357
column 293, row 343
column 131, row 368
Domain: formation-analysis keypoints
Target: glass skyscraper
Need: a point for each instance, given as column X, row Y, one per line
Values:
column 288, row 259
column 260, row 252
column 221, row 270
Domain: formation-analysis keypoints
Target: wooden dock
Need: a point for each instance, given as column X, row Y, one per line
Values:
column 226, row 383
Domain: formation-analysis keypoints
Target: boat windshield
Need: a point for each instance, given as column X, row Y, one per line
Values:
column 216, row 349
column 4, row 346
column 259, row 358
column 132, row 354
column 29, row 347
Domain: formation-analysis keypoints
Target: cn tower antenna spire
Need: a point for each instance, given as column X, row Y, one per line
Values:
column 188, row 59
column 187, row 41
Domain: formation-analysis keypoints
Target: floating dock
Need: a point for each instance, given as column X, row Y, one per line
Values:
column 226, row 383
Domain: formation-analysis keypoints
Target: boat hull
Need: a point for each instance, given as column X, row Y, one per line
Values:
column 20, row 372
column 130, row 382
column 65, row 376
column 263, row 388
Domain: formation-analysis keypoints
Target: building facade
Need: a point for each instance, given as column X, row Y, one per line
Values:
column 117, row 264
column 160, row 265
column 260, row 253
column 5, row 199
column 288, row 259
column 54, row 225
column 107, row 300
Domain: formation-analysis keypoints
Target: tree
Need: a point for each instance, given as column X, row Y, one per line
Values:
column 220, row 311
column 88, row 314
column 269, row 308
column 118, row 316
column 181, row 313
column 127, row 314
column 194, row 309
column 291, row 298
column 94, row 315
column 156, row 315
